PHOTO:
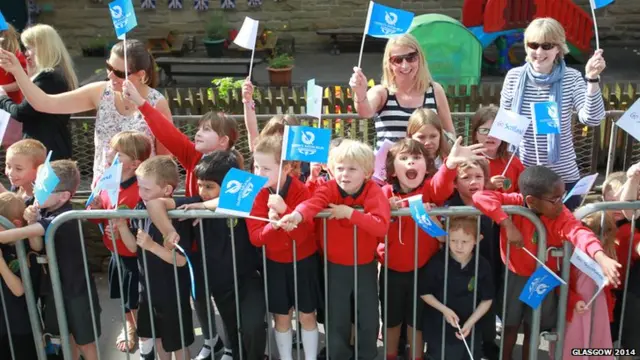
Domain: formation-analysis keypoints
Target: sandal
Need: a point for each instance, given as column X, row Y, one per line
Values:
column 131, row 337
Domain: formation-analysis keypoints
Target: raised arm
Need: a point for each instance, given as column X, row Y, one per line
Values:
column 250, row 118
column 630, row 189
column 367, row 103
column 12, row 235
column 587, row 99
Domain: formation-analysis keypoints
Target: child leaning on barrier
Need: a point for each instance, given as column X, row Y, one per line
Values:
column 21, row 167
column 12, row 209
column 351, row 164
column 68, row 247
column 542, row 191
column 157, row 178
column 210, row 173
column 132, row 147
column 458, row 310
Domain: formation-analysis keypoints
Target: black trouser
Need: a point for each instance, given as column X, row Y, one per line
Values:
column 252, row 315
column 341, row 287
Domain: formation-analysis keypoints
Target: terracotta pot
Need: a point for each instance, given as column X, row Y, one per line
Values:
column 280, row 77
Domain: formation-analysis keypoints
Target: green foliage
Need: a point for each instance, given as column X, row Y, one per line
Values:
column 281, row 61
column 223, row 86
column 216, row 28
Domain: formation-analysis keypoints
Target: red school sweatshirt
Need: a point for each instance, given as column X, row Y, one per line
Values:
column 372, row 224
column 279, row 243
column 623, row 235
column 176, row 142
column 565, row 226
column 497, row 165
column 401, row 233
column 7, row 78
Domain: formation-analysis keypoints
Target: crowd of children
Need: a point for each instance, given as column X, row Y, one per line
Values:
column 454, row 282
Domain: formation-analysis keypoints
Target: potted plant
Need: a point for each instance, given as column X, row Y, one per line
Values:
column 216, row 31
column 280, row 68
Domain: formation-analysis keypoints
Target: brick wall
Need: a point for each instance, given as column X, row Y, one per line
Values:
column 80, row 20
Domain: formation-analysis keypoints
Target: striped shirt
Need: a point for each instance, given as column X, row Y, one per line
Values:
column 590, row 109
column 391, row 121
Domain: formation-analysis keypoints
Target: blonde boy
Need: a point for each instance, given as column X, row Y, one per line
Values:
column 21, row 166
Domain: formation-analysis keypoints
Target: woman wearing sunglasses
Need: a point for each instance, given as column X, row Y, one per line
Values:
column 51, row 71
column 406, row 86
column 545, row 77
column 114, row 112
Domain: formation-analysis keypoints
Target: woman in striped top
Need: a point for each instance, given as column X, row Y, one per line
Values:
column 406, row 86
column 545, row 77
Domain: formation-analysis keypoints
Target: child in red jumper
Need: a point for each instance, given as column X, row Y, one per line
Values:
column 279, row 249
column 407, row 176
column 351, row 164
column 542, row 191
column 496, row 151
column 10, row 42
column 133, row 148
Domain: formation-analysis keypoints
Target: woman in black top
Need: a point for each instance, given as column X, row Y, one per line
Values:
column 51, row 70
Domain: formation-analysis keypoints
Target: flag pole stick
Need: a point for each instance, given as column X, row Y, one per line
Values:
column 508, row 163
column 595, row 295
column 545, row 266
column 595, row 25
column 364, row 33
column 279, row 175
column 126, row 68
column 253, row 51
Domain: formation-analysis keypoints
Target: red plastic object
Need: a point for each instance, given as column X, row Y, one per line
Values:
column 473, row 12
column 577, row 23
column 500, row 15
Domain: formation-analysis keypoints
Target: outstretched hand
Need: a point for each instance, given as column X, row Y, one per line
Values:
column 460, row 153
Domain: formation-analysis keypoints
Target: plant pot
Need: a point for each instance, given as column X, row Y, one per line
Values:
column 214, row 47
column 280, row 77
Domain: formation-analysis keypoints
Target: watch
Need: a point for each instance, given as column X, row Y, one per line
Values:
column 596, row 80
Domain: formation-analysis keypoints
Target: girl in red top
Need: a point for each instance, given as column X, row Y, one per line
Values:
column 496, row 152
column 279, row 247
column 133, row 148
column 425, row 127
column 9, row 41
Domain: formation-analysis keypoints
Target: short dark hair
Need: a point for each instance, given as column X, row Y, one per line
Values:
column 216, row 165
column 537, row 181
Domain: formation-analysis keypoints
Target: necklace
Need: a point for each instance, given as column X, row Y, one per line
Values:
column 125, row 102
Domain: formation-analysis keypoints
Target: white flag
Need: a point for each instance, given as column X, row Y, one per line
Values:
column 509, row 126
column 630, row 120
column 588, row 266
column 4, row 122
column 246, row 38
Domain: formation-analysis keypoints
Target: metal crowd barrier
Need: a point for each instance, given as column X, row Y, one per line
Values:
column 79, row 215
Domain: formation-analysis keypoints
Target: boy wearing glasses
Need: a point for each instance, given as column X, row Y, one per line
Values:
column 542, row 191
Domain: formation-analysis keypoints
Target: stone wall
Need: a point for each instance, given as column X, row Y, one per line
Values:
column 80, row 20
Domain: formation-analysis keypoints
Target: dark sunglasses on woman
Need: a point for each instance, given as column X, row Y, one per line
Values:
column 544, row 46
column 117, row 73
column 410, row 57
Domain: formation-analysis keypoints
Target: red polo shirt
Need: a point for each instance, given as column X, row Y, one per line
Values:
column 496, row 167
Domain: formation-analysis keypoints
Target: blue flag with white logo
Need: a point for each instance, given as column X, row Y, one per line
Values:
column 110, row 182
column 305, row 143
column 3, row 23
column 545, row 117
column 385, row 22
column 46, row 181
column 541, row 282
column 238, row 192
column 597, row 4
column 420, row 216
column 123, row 16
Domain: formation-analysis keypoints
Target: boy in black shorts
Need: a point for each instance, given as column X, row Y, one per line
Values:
column 158, row 177
column 210, row 172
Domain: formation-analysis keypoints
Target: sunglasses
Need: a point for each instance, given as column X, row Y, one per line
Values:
column 118, row 73
column 544, row 46
column 410, row 57
column 483, row 131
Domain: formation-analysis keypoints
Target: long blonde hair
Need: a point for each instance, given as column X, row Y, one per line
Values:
column 50, row 52
column 423, row 76
column 10, row 40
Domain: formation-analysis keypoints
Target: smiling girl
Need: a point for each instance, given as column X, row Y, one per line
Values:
column 425, row 127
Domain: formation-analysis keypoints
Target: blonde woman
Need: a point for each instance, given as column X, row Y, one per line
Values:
column 114, row 112
column 545, row 77
column 51, row 71
column 406, row 85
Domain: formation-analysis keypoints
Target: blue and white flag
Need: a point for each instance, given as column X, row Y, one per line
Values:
column 3, row 23
column 123, row 16
column 238, row 192
column 314, row 99
column 46, row 181
column 545, row 117
column 420, row 216
column 582, row 187
column 305, row 143
column 110, row 182
column 386, row 22
column 541, row 282
column 597, row 4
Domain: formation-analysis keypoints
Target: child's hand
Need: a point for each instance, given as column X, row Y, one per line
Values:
column 498, row 181
column 144, row 240
column 96, row 203
column 131, row 93
column 290, row 221
column 276, row 203
column 275, row 217
column 121, row 223
column 429, row 206
column 460, row 154
column 465, row 330
column 340, row 211
column 31, row 214
column 634, row 172
column 395, row 202
column 451, row 317
column 581, row 307
column 316, row 168
column 9, row 62
column 247, row 90
column 514, row 236
column 170, row 241
column 609, row 267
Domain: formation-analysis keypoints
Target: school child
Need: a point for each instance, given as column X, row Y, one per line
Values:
column 542, row 191
column 273, row 203
column 12, row 208
column 210, row 173
column 472, row 177
column 215, row 132
column 496, row 151
column 351, row 164
column 132, row 147
column 407, row 176
column 21, row 167
column 425, row 127
column 9, row 40
column 68, row 245
column 458, row 310
column 158, row 177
